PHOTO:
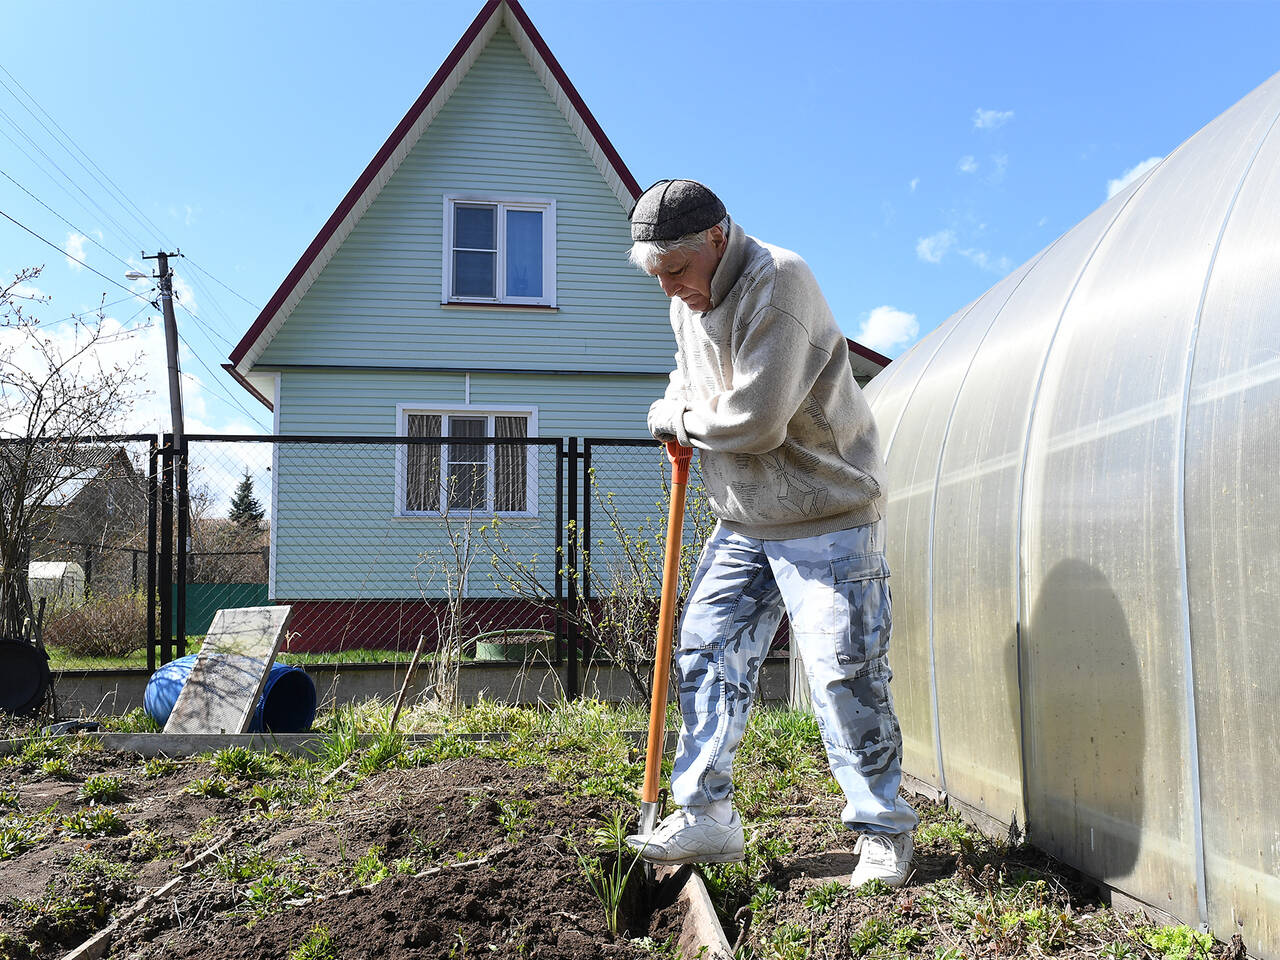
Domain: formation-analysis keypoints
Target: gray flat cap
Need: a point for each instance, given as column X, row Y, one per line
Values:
column 672, row 209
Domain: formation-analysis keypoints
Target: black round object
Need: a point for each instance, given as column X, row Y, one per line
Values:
column 24, row 677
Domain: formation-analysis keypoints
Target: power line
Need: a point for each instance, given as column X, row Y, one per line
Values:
column 83, row 233
column 123, row 232
column 69, row 138
column 77, row 316
column 132, row 293
column 114, row 190
column 215, row 382
column 223, row 285
column 119, row 197
column 204, row 326
column 126, row 263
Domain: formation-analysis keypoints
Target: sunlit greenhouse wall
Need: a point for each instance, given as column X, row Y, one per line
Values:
column 1084, row 518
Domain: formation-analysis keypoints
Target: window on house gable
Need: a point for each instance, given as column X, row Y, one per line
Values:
column 461, row 476
column 499, row 251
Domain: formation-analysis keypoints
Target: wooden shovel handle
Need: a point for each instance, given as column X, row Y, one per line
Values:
column 679, row 457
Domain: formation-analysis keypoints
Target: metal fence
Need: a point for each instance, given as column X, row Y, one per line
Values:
column 493, row 546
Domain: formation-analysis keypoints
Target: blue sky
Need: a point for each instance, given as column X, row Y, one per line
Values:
column 912, row 152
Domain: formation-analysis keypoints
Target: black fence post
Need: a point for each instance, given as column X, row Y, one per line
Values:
column 571, row 564
column 153, row 491
column 561, row 620
column 183, row 535
column 166, row 550
column 584, row 592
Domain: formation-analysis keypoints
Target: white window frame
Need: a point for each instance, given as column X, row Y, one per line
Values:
column 543, row 205
column 489, row 411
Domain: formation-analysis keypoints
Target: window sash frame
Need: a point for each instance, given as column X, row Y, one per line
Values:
column 489, row 413
column 502, row 204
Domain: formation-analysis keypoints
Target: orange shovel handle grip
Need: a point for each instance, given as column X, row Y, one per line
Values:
column 679, row 457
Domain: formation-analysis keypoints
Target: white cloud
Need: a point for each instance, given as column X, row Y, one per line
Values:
column 74, row 247
column 887, row 329
column 968, row 164
column 933, row 248
column 981, row 258
column 990, row 119
column 1130, row 175
column 1001, row 163
column 915, row 182
column 1042, row 221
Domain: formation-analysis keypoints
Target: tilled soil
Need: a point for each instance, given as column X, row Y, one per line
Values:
column 465, row 857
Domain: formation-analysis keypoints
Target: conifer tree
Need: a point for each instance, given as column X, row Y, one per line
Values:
column 245, row 508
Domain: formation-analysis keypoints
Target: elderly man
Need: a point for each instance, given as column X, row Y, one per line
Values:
column 791, row 462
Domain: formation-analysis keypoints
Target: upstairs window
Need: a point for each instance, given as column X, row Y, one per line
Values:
column 462, row 477
column 499, row 251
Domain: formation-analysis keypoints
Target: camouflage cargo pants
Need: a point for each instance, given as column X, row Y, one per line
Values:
column 834, row 587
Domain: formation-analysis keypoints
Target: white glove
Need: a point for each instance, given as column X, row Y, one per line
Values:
column 666, row 420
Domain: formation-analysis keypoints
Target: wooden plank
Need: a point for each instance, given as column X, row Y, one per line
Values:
column 230, row 671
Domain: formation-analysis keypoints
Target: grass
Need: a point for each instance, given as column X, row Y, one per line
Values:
column 101, row 788
column 157, row 767
column 209, row 787
column 60, row 659
column 15, row 839
column 316, row 945
column 243, row 763
column 370, row 869
column 95, row 822
column 608, row 869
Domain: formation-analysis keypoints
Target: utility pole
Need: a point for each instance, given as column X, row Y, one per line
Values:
column 178, row 460
column 171, row 344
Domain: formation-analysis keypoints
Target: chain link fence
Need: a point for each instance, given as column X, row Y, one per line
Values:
column 482, row 543
column 380, row 544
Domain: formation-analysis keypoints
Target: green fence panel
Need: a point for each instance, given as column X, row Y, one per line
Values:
column 206, row 599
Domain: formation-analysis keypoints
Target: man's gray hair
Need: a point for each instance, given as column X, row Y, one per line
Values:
column 645, row 254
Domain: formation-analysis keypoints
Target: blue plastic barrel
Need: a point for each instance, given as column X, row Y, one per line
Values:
column 287, row 704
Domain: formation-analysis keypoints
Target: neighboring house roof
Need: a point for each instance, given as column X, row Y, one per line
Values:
column 410, row 130
column 68, row 469
column 865, row 361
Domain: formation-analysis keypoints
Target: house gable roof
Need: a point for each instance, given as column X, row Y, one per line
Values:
column 407, row 133
column 410, row 130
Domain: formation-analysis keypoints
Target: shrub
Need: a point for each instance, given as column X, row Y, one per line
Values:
column 100, row 627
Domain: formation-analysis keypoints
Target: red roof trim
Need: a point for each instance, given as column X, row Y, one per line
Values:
column 419, row 106
column 353, row 195
column 241, row 379
column 575, row 98
column 868, row 354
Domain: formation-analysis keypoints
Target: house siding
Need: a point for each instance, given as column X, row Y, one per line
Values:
column 338, row 534
column 377, row 302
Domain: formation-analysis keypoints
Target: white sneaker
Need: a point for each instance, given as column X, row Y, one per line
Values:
column 684, row 837
column 882, row 856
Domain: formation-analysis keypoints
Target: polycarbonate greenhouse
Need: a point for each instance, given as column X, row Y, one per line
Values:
column 1085, row 541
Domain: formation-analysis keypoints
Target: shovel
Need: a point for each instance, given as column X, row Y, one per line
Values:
column 650, row 806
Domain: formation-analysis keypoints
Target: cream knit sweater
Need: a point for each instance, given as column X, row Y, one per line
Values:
column 763, row 389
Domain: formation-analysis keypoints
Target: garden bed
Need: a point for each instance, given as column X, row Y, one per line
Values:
column 494, row 848
column 456, row 848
